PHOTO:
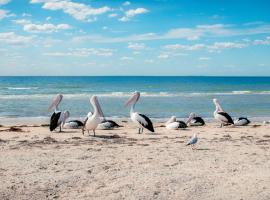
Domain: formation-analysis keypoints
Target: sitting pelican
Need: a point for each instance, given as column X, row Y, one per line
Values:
column 58, row 118
column 194, row 120
column 140, row 120
column 241, row 121
column 221, row 116
column 73, row 124
column 173, row 124
column 92, row 122
column 105, row 124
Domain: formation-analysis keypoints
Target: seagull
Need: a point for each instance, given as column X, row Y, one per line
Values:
column 193, row 140
column 58, row 118
column 141, row 120
column 221, row 116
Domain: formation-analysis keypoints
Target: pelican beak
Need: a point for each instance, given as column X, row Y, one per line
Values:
column 56, row 101
column 100, row 113
column 189, row 119
column 132, row 99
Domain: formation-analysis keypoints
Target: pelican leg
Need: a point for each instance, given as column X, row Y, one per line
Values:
column 60, row 129
column 94, row 132
column 83, row 131
column 139, row 131
column 221, row 125
column 142, row 130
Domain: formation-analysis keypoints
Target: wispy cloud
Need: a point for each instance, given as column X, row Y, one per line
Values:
column 266, row 41
column 79, row 11
column 126, row 3
column 3, row 2
column 82, row 52
column 5, row 14
column 196, row 33
column 45, row 28
column 133, row 12
column 136, row 46
column 14, row 39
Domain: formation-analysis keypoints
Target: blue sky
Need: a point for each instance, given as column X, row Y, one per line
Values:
column 151, row 37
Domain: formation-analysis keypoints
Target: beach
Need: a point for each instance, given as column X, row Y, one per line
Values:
column 227, row 163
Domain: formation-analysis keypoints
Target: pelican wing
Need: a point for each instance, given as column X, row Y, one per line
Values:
column 145, row 122
column 225, row 117
column 54, row 120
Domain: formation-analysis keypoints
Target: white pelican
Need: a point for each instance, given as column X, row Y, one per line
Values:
column 73, row 124
column 58, row 118
column 193, row 140
column 139, row 119
column 173, row 124
column 220, row 115
column 194, row 120
column 241, row 121
column 105, row 124
column 92, row 122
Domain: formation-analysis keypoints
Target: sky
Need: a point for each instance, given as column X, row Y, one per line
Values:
column 150, row 37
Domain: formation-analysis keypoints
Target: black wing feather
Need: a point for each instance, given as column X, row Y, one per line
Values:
column 182, row 124
column 54, row 120
column 77, row 121
column 227, row 116
column 199, row 120
column 113, row 123
column 149, row 125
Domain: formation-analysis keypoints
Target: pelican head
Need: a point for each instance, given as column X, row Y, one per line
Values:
column 55, row 102
column 191, row 116
column 171, row 120
column 133, row 99
column 95, row 103
column 215, row 101
column 66, row 116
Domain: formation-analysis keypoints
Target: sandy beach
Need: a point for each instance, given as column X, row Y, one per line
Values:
column 228, row 163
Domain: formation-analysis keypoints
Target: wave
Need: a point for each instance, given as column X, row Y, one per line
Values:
column 127, row 94
column 21, row 88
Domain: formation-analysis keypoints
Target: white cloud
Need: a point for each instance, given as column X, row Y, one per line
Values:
column 112, row 15
column 79, row 11
column 204, row 58
column 126, row 58
column 83, row 52
column 217, row 46
column 133, row 12
column 163, row 56
column 22, row 21
column 14, row 39
column 45, row 28
column 26, row 15
column 5, row 14
column 262, row 42
column 3, row 2
column 136, row 46
column 126, row 3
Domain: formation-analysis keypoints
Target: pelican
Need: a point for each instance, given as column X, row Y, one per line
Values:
column 58, row 118
column 193, row 140
column 105, row 124
column 73, row 124
column 241, row 121
column 173, row 124
column 92, row 122
column 139, row 119
column 220, row 115
column 194, row 120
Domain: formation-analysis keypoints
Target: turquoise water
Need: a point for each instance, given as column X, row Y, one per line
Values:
column 161, row 97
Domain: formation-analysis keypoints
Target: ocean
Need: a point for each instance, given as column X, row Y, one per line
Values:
column 161, row 97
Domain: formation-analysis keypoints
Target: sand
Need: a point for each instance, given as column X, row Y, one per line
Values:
column 228, row 163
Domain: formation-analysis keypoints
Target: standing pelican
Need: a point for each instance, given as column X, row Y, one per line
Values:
column 105, row 124
column 173, row 124
column 140, row 120
column 194, row 120
column 241, row 121
column 220, row 115
column 58, row 118
column 91, row 123
column 193, row 140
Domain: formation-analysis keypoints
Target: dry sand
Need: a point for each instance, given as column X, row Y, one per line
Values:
column 229, row 163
